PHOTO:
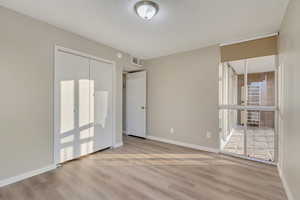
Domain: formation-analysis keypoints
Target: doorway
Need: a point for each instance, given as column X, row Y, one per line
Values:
column 134, row 102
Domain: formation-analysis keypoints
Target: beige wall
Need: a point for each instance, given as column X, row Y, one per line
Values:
column 26, row 85
column 183, row 94
column 289, row 58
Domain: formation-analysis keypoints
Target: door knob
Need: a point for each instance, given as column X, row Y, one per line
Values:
column 143, row 107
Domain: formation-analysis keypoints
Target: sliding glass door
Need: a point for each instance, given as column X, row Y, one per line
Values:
column 247, row 112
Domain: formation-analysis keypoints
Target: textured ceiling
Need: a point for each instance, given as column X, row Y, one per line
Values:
column 180, row 25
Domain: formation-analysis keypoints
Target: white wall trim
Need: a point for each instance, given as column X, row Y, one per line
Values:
column 285, row 184
column 26, row 175
column 117, row 145
column 192, row 146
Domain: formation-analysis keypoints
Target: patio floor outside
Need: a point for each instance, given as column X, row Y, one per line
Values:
column 260, row 143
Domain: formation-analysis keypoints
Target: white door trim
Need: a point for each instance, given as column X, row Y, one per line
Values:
column 57, row 49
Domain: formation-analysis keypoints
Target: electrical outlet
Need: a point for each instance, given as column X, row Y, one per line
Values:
column 208, row 134
column 171, row 130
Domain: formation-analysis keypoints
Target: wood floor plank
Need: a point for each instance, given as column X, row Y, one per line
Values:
column 151, row 170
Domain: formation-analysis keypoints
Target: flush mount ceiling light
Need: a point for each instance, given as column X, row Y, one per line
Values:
column 146, row 9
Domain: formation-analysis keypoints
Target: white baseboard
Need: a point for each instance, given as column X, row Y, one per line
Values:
column 117, row 145
column 192, row 146
column 285, row 184
column 26, row 175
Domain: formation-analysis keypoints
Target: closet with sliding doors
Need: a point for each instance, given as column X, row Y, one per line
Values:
column 83, row 104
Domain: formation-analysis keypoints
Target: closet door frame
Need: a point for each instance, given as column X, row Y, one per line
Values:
column 58, row 49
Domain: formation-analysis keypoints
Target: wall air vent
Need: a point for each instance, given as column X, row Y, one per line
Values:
column 136, row 61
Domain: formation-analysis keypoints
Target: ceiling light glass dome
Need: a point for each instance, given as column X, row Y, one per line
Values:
column 146, row 9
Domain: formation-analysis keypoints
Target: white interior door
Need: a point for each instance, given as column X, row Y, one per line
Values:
column 72, row 104
column 101, row 117
column 136, row 104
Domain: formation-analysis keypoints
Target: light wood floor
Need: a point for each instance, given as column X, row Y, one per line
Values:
column 145, row 169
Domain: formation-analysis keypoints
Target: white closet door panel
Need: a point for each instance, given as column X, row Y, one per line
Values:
column 72, row 100
column 101, row 88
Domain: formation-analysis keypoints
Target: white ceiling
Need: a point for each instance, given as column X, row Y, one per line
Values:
column 255, row 65
column 180, row 25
